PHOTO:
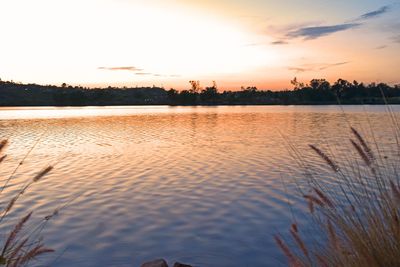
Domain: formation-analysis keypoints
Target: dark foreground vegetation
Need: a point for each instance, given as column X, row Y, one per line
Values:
column 317, row 92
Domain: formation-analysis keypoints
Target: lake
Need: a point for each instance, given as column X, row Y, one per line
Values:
column 208, row 186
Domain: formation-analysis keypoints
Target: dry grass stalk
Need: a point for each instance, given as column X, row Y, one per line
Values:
column 361, row 152
column 332, row 236
column 10, row 205
column 325, row 157
column 363, row 143
column 310, row 206
column 395, row 190
column 294, row 228
column 367, row 233
column 314, row 200
column 3, row 144
column 33, row 253
column 42, row 173
column 321, row 261
column 55, row 213
column 293, row 261
column 14, row 232
column 17, row 249
column 323, row 197
column 300, row 243
column 2, row 158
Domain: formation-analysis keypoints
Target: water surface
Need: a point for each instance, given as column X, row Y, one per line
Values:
column 202, row 185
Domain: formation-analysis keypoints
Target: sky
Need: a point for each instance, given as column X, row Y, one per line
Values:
column 263, row 43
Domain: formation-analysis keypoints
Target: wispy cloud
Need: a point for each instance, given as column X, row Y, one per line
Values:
column 143, row 73
column 277, row 42
column 300, row 69
column 137, row 71
column 291, row 26
column 327, row 66
column 381, row 47
column 396, row 39
column 310, row 33
column 280, row 42
column 316, row 67
column 128, row 68
column 374, row 13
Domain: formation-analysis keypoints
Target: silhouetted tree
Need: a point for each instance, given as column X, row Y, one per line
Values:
column 195, row 86
column 297, row 85
column 320, row 84
column 318, row 91
column 210, row 94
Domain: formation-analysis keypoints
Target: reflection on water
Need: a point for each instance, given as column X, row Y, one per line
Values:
column 194, row 184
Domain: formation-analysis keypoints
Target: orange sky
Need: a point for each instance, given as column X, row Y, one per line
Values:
column 169, row 42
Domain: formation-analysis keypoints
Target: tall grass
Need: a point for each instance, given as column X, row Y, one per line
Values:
column 21, row 244
column 355, row 220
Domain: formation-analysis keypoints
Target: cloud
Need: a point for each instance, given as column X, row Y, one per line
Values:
column 310, row 33
column 279, row 42
column 381, row 47
column 299, row 69
column 291, row 26
column 375, row 13
column 396, row 39
column 316, row 67
column 327, row 66
column 143, row 73
column 129, row 68
column 137, row 71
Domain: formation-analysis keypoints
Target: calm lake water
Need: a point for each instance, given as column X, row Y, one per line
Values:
column 201, row 185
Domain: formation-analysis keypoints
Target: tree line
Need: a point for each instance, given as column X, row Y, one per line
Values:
column 317, row 91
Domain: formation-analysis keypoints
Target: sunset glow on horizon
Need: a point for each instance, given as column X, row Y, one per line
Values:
column 169, row 42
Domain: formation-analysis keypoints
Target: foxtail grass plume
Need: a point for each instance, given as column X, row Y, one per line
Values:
column 3, row 144
column 42, row 173
column 325, row 157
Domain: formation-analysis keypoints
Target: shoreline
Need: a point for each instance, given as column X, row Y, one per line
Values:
column 197, row 105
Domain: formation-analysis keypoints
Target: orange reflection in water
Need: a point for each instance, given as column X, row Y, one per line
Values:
column 182, row 176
